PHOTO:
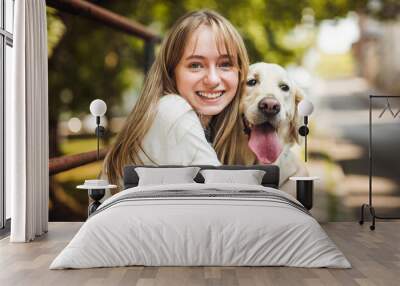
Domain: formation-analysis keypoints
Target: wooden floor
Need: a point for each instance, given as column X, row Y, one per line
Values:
column 374, row 255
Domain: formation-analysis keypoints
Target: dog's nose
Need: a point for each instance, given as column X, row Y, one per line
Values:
column 269, row 106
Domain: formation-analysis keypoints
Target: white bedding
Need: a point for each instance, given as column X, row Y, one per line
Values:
column 189, row 230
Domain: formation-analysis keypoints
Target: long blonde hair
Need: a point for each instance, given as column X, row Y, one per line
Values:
column 160, row 81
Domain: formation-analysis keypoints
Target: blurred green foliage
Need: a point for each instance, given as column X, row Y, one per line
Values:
column 73, row 146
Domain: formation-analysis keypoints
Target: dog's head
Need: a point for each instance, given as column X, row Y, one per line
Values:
column 269, row 109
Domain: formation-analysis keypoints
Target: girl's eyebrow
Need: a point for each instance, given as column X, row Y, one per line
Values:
column 191, row 57
column 194, row 57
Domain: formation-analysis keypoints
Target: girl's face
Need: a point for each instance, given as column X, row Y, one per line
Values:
column 206, row 76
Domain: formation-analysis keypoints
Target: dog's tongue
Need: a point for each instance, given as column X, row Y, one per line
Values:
column 264, row 142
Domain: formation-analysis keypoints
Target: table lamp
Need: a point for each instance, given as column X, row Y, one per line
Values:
column 96, row 188
column 98, row 108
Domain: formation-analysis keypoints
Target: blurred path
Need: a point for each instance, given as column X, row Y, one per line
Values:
column 342, row 109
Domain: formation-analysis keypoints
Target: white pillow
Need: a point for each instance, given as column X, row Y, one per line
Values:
column 248, row 177
column 164, row 176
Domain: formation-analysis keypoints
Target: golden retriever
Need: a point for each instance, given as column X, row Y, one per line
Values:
column 271, row 120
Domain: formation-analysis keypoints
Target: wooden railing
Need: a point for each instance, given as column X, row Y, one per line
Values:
column 121, row 24
column 106, row 17
column 65, row 163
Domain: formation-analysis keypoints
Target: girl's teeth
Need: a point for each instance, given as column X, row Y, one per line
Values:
column 210, row 95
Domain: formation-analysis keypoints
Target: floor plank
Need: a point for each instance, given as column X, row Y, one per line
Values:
column 374, row 255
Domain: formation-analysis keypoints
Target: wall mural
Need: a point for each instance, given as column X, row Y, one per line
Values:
column 223, row 91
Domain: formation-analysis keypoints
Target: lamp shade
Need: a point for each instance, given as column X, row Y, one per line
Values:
column 98, row 107
column 305, row 107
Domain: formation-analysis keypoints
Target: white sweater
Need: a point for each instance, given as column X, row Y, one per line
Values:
column 176, row 136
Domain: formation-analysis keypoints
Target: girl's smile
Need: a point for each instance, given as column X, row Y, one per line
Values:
column 210, row 94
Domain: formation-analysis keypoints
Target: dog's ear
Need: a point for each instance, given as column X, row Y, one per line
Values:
column 295, row 121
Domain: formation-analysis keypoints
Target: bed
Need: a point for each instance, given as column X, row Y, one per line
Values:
column 201, row 224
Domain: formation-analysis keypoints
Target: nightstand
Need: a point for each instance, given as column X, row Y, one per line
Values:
column 304, row 190
column 96, row 190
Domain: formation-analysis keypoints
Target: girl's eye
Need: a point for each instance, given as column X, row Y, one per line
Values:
column 195, row 65
column 226, row 65
column 251, row 82
column 284, row 87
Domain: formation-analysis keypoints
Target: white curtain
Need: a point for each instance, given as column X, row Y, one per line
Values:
column 27, row 124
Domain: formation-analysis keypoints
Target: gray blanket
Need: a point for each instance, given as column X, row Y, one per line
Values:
column 206, row 194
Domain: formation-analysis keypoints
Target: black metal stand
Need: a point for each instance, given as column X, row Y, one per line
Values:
column 303, row 131
column 96, row 195
column 369, row 205
column 304, row 193
column 100, row 131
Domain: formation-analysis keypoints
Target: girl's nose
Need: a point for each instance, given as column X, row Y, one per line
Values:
column 212, row 77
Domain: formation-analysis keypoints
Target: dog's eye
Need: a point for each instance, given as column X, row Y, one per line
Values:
column 251, row 82
column 284, row 87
